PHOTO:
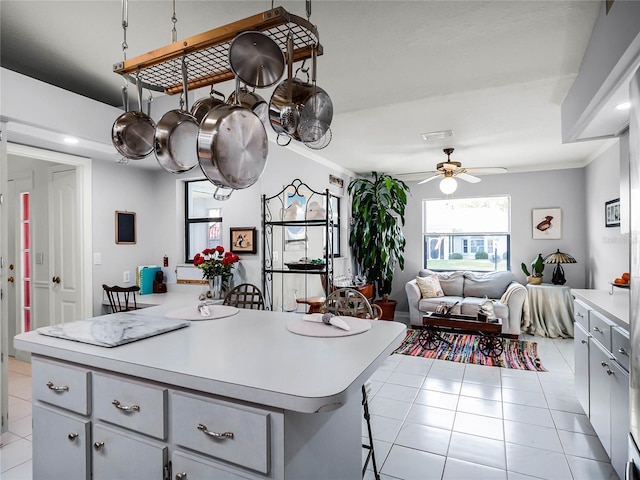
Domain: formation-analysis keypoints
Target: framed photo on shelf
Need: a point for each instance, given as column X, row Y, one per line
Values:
column 612, row 213
column 243, row 239
column 546, row 223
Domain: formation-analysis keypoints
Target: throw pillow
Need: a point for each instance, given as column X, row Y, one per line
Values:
column 430, row 286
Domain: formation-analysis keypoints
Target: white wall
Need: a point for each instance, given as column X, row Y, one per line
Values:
column 556, row 188
column 607, row 248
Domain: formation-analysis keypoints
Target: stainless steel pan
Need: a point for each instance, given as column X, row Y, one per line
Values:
column 202, row 106
column 132, row 132
column 176, row 135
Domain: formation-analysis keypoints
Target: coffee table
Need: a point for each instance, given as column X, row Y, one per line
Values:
column 434, row 324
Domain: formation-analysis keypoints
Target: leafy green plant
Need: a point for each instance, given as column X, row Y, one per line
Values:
column 482, row 255
column 537, row 267
column 376, row 237
column 455, row 256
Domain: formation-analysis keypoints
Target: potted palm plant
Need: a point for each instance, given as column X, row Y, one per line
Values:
column 376, row 239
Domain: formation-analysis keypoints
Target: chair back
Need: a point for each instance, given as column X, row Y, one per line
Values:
column 350, row 302
column 121, row 299
column 245, row 295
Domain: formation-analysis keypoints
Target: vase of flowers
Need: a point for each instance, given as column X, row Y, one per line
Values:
column 217, row 267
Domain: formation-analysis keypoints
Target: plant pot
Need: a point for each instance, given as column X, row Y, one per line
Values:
column 534, row 280
column 388, row 308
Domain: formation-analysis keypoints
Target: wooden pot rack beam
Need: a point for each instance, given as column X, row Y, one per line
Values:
column 207, row 53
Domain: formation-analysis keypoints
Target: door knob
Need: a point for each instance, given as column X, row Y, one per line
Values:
column 55, row 279
column 10, row 279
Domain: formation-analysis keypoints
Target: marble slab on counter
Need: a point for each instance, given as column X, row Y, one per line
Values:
column 612, row 304
column 113, row 330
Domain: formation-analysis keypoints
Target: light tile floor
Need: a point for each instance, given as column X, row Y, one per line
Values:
column 435, row 420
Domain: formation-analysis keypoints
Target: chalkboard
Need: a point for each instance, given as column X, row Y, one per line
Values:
column 126, row 228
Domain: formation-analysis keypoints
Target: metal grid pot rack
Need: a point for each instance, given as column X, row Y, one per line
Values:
column 206, row 53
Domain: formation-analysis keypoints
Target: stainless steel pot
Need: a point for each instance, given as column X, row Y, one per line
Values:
column 313, row 105
column 132, row 132
column 252, row 101
column 256, row 59
column 202, row 106
column 232, row 147
column 176, row 135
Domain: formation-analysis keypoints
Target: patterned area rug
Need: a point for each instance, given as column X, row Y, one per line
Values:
column 463, row 348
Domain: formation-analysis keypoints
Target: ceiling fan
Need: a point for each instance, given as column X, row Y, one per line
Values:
column 450, row 169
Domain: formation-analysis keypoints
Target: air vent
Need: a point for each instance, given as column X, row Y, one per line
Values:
column 440, row 134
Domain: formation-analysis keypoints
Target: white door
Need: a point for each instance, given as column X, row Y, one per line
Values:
column 66, row 273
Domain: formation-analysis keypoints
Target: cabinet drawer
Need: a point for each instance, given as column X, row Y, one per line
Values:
column 620, row 346
column 130, row 404
column 63, row 385
column 117, row 455
column 186, row 467
column 581, row 313
column 600, row 328
column 195, row 420
column 62, row 443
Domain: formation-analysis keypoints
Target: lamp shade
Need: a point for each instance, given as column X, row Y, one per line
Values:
column 448, row 185
column 559, row 257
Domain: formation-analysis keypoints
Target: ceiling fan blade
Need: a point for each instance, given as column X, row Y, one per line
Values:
column 428, row 179
column 486, row 170
column 468, row 178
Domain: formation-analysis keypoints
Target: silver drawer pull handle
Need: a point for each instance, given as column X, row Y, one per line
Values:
column 578, row 314
column 596, row 329
column 132, row 408
column 181, row 476
column 72, row 437
column 584, row 342
column 206, row 431
column 623, row 351
column 98, row 446
column 606, row 365
column 55, row 388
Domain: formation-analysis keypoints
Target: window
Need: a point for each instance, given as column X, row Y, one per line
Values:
column 466, row 234
column 203, row 218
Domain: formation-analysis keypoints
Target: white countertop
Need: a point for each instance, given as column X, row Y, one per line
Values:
column 250, row 356
column 614, row 306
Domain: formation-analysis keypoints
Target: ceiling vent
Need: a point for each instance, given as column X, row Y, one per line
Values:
column 438, row 135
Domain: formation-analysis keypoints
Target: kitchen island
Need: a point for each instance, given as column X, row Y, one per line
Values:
column 234, row 397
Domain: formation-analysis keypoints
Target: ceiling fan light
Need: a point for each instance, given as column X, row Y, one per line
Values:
column 448, row 185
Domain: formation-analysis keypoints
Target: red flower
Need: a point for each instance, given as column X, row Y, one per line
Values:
column 219, row 249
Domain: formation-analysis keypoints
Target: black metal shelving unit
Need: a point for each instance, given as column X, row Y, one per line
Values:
column 286, row 240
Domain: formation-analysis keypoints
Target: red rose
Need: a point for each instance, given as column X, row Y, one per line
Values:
column 236, row 258
column 228, row 254
column 198, row 259
column 219, row 249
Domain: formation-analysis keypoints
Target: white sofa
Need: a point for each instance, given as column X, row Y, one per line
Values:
column 469, row 289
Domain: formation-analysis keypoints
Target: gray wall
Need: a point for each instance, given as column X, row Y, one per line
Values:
column 547, row 189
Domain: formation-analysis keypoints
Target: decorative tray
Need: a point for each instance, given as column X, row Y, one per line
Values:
column 305, row 266
column 620, row 285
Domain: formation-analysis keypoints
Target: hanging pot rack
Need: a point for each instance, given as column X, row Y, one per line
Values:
column 207, row 53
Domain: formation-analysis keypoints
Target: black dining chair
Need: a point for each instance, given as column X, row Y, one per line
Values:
column 121, row 299
column 245, row 295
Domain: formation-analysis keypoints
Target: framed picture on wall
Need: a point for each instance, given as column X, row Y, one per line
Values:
column 243, row 240
column 125, row 228
column 612, row 213
column 546, row 223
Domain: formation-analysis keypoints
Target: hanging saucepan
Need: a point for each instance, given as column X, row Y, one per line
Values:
column 132, row 132
column 256, row 59
column 316, row 114
column 176, row 135
column 202, row 106
column 232, row 147
column 252, row 101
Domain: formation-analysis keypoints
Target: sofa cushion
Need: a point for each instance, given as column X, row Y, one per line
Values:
column 491, row 285
column 429, row 286
column 430, row 304
column 452, row 283
column 471, row 306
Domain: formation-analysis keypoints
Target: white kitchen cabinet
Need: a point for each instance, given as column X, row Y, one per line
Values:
column 581, row 362
column 62, row 442
column 602, row 380
column 117, row 454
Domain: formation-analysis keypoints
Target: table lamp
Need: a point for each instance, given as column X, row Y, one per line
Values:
column 559, row 258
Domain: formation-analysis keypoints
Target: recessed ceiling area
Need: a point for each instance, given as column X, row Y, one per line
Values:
column 495, row 73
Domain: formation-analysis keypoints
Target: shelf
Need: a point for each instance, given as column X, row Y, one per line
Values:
column 207, row 53
column 305, row 272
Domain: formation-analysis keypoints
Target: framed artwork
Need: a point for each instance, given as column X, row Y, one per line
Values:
column 612, row 213
column 243, row 239
column 125, row 228
column 546, row 223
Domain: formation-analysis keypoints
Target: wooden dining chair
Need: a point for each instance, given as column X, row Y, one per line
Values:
column 351, row 303
column 121, row 299
column 245, row 295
